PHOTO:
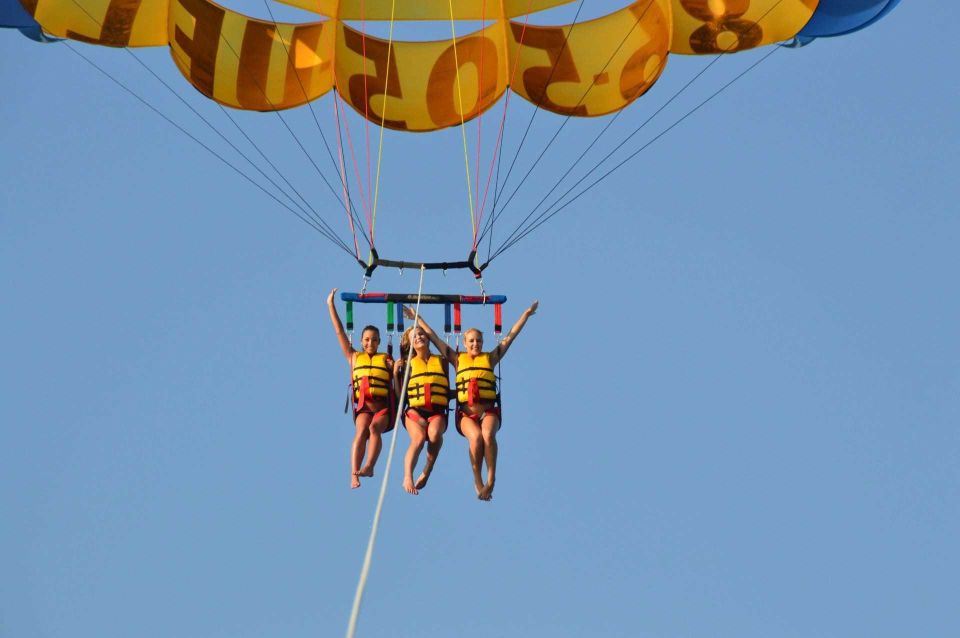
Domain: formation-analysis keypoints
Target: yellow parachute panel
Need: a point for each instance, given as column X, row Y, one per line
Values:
column 419, row 92
column 114, row 23
column 575, row 76
column 593, row 68
column 247, row 63
column 728, row 26
column 378, row 10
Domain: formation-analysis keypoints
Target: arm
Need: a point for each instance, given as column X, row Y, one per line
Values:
column 501, row 350
column 443, row 348
column 338, row 327
column 398, row 370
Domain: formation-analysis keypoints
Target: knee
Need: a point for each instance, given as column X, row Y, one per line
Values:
column 490, row 438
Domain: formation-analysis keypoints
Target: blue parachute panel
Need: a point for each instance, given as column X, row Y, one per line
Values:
column 840, row 17
column 14, row 16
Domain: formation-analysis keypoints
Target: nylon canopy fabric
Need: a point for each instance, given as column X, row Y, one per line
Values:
column 247, row 63
column 14, row 16
column 704, row 27
column 424, row 9
column 840, row 17
column 115, row 23
column 564, row 71
column 593, row 68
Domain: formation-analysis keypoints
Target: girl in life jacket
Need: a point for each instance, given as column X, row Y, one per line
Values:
column 371, row 374
column 428, row 396
column 478, row 412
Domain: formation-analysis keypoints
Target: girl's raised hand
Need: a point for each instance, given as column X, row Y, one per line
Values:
column 532, row 310
column 408, row 312
column 331, row 296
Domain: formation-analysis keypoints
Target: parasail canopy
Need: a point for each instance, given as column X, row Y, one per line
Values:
column 593, row 68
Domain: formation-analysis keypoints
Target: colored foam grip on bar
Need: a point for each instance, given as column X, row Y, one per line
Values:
column 349, row 316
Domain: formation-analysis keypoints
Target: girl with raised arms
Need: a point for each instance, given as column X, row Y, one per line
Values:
column 428, row 398
column 478, row 416
column 371, row 374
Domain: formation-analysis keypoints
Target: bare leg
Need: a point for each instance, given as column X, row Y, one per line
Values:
column 435, row 431
column 418, row 435
column 472, row 432
column 491, row 423
column 362, row 424
column 375, row 444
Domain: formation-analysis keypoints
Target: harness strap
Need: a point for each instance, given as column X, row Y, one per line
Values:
column 364, row 391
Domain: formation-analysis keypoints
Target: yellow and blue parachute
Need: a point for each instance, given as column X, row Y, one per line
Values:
column 258, row 65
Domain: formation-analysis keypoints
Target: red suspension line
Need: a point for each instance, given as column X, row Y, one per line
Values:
column 483, row 31
column 356, row 171
column 343, row 174
column 366, row 103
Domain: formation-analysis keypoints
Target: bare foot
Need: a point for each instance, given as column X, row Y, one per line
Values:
column 408, row 486
column 478, row 487
column 354, row 481
column 367, row 471
column 486, row 493
column 424, row 477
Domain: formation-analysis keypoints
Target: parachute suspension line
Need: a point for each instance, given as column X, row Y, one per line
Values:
column 333, row 238
column 536, row 110
column 383, row 119
column 366, row 106
column 483, row 33
column 343, row 177
column 220, row 134
column 315, row 215
column 364, row 200
column 368, row 558
column 286, row 125
column 547, row 214
column 292, row 67
column 553, row 209
column 570, row 116
column 311, row 213
column 463, row 130
column 321, row 225
column 498, row 147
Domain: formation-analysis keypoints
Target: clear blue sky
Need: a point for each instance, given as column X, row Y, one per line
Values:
column 736, row 413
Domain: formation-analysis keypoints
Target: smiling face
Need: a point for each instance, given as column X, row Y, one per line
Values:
column 473, row 342
column 370, row 340
column 421, row 343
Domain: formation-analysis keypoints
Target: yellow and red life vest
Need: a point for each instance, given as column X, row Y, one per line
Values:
column 428, row 385
column 371, row 377
column 476, row 380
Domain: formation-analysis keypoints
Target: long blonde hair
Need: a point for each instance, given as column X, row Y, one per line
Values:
column 405, row 341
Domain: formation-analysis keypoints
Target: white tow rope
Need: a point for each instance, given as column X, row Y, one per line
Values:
column 365, row 571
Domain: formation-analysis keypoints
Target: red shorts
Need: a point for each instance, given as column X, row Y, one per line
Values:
column 495, row 410
column 426, row 414
column 376, row 415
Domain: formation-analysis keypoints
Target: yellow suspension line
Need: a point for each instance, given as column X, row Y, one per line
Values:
column 383, row 118
column 463, row 130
